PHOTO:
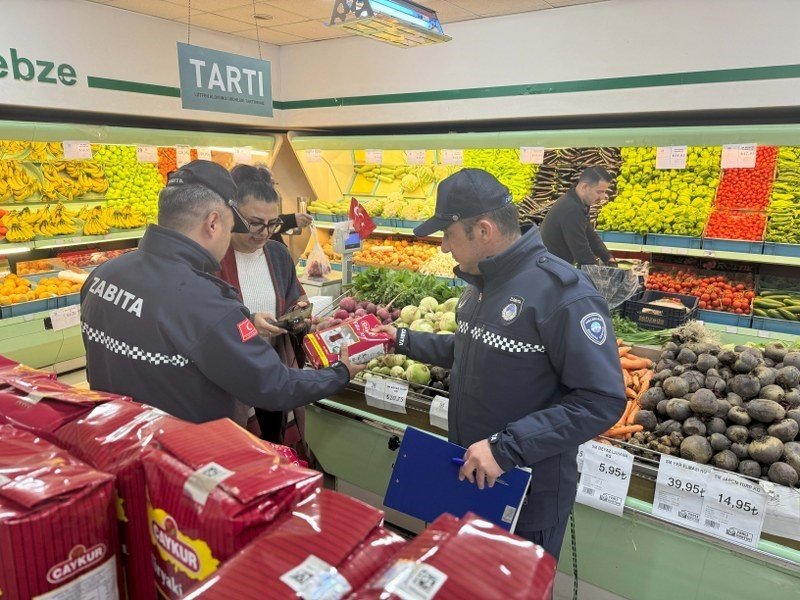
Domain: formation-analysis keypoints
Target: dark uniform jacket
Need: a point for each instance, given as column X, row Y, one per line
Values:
column 568, row 233
column 160, row 327
column 535, row 369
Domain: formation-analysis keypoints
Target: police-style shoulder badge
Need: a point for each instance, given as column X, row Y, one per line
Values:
column 594, row 327
column 512, row 310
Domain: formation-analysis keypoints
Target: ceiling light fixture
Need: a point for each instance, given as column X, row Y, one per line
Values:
column 399, row 22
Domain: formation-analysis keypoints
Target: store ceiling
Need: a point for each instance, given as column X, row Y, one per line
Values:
column 298, row 21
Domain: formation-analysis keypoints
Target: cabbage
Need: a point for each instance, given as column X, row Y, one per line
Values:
column 418, row 373
column 398, row 372
column 394, row 360
column 448, row 322
column 422, row 325
column 409, row 314
column 428, row 304
column 450, row 305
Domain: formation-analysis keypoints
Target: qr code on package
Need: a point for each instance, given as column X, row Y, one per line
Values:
column 424, row 583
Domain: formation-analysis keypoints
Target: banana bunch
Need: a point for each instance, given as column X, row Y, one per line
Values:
column 96, row 222
column 54, row 186
column 41, row 151
column 19, row 231
column 125, row 218
column 384, row 173
column 16, row 182
column 329, row 207
column 12, row 147
column 425, row 175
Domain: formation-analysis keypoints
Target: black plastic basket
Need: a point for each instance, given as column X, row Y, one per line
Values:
column 659, row 317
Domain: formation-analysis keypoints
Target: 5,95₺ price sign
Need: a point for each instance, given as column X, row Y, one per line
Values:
column 605, row 477
column 680, row 491
column 734, row 509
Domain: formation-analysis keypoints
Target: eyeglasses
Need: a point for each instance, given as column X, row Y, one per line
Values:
column 257, row 226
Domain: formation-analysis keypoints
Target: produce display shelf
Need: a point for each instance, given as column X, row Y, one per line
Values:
column 740, row 246
column 621, row 237
column 383, row 230
column 776, row 249
column 777, row 325
column 77, row 240
column 673, row 241
column 21, row 309
column 724, row 318
column 706, row 253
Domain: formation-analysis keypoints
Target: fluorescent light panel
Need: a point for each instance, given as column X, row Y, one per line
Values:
column 398, row 22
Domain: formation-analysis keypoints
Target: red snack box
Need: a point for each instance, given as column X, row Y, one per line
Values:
column 501, row 565
column 57, row 527
column 42, row 406
column 11, row 369
column 209, row 495
column 329, row 545
column 323, row 347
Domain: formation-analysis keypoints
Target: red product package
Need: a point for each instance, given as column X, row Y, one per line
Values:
column 501, row 565
column 323, row 347
column 58, row 535
column 42, row 406
column 209, row 494
column 113, row 438
column 329, row 545
column 11, row 370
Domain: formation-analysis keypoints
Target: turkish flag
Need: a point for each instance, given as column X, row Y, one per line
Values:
column 362, row 222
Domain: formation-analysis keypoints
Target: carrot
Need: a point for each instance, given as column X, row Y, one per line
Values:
column 636, row 383
column 623, row 350
column 630, row 393
column 633, row 363
column 627, row 378
column 632, row 414
column 644, row 384
column 625, row 430
column 628, row 408
column 619, row 341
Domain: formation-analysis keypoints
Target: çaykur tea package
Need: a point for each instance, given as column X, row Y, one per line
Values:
column 324, row 346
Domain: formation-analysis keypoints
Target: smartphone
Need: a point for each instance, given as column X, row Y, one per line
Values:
column 294, row 317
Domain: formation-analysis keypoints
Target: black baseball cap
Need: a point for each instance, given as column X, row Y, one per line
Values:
column 216, row 178
column 468, row 193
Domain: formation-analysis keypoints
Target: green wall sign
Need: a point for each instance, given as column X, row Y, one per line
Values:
column 224, row 82
column 23, row 68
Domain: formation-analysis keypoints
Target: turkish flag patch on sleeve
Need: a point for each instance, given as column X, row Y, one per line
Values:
column 247, row 330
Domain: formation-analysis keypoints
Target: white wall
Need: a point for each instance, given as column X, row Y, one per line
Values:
column 607, row 39
column 106, row 42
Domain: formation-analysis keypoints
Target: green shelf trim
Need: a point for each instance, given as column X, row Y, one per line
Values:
column 133, row 234
column 734, row 256
column 121, row 85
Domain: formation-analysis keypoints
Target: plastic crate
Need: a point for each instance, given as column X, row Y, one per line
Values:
column 407, row 224
column 621, row 237
column 776, row 249
column 777, row 325
column 673, row 241
column 69, row 300
column 381, row 222
column 659, row 317
column 744, row 246
column 28, row 308
column 329, row 218
column 724, row 318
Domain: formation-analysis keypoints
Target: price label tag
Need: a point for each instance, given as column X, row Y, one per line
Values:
column 682, row 251
column 531, row 155
column 708, row 253
column 243, row 155
column 783, row 510
column 730, row 156
column 763, row 334
column 452, row 157
column 605, row 477
column 75, row 150
column 731, row 329
column 204, row 154
column 314, row 155
column 374, row 157
column 581, row 454
column 65, row 317
column 386, row 394
column 739, row 156
column 680, row 490
column 671, row 157
column 415, row 157
column 146, row 153
column 438, row 413
column 734, row 509
column 183, row 155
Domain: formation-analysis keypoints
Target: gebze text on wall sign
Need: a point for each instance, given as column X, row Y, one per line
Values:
column 224, row 82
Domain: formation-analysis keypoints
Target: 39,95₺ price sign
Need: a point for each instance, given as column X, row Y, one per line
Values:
column 605, row 477
column 680, row 491
column 734, row 509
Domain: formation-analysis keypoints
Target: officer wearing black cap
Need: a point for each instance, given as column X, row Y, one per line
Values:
column 159, row 326
column 535, row 367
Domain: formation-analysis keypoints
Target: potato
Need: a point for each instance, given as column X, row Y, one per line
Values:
column 772, row 392
column 757, row 430
column 727, row 357
column 670, row 347
column 726, row 374
column 661, row 407
column 646, row 419
column 740, row 450
column 706, row 362
column 696, row 448
column 768, row 362
column 679, row 409
column 788, row 377
column 765, row 411
column 675, row 438
column 766, row 450
column 792, row 359
column 791, row 455
column 704, row 402
column 662, row 375
column 679, row 370
column 719, row 442
column 738, row 416
column 665, row 365
column 792, row 398
column 668, row 427
column 783, row 474
column 716, row 425
column 695, row 379
column 725, row 459
column 650, row 399
column 775, row 351
column 737, row 434
column 765, row 375
column 750, row 468
column 716, row 385
column 745, row 386
column 785, row 430
column 723, row 408
column 734, row 399
column 668, row 355
column 675, row 387
column 745, row 363
column 794, row 415
column 686, row 357
column 694, row 426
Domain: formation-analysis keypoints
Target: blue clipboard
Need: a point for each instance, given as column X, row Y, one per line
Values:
column 425, row 484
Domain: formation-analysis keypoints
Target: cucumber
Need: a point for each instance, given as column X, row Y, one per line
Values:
column 759, row 312
column 794, row 301
column 771, row 312
column 787, row 315
column 767, row 303
column 795, row 310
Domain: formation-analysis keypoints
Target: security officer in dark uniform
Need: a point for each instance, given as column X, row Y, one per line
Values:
column 159, row 326
column 535, row 367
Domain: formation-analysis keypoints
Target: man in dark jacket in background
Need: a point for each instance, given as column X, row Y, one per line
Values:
column 535, row 367
column 567, row 231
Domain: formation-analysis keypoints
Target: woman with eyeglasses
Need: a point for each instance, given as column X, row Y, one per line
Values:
column 264, row 272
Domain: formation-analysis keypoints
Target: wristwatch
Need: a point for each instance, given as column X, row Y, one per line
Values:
column 494, row 438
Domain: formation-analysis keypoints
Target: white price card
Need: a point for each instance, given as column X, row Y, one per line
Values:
column 581, row 453
column 671, row 157
column 416, row 157
column 386, row 394
column 204, row 154
column 438, row 412
column 731, row 329
column 739, row 156
column 730, row 156
column 733, row 509
column 682, row 251
column 243, row 155
column 183, row 155
column 77, row 150
column 605, row 477
column 764, row 334
column 783, row 510
column 374, row 157
column 708, row 253
column 680, row 490
column 146, row 153
column 314, row 155
column 531, row 155
column 452, row 157
column 62, row 318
